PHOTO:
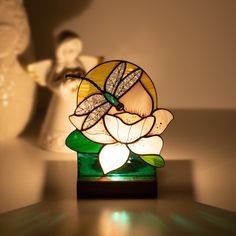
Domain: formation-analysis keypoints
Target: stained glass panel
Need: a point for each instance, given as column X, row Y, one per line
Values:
column 118, row 123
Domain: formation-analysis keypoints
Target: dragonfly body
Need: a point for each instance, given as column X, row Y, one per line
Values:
column 113, row 101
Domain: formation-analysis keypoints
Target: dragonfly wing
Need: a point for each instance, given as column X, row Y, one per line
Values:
column 128, row 82
column 89, row 104
column 114, row 78
column 96, row 115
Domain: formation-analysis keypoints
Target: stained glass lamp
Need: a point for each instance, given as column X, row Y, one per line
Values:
column 117, row 135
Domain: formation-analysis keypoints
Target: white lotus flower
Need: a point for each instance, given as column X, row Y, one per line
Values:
column 125, row 132
column 136, row 130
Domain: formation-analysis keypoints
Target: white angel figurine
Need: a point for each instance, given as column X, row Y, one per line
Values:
column 56, row 125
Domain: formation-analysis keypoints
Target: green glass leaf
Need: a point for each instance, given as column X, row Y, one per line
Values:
column 154, row 160
column 79, row 143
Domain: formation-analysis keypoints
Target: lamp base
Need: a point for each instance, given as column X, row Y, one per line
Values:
column 117, row 189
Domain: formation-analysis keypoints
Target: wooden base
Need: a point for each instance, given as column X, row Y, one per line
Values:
column 117, row 189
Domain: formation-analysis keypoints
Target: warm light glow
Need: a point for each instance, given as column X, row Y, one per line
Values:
column 115, row 223
column 113, row 156
column 128, row 133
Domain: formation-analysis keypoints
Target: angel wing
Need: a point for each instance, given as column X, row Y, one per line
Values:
column 114, row 78
column 163, row 118
column 127, row 83
column 96, row 115
column 39, row 71
column 90, row 103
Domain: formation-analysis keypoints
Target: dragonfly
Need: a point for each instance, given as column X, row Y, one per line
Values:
column 97, row 105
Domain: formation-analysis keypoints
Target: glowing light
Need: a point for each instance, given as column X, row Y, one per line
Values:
column 113, row 156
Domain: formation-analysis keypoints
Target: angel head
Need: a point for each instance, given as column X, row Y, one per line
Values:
column 68, row 47
column 120, row 111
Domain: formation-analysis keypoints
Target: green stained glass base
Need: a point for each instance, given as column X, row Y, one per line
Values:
column 136, row 179
column 135, row 169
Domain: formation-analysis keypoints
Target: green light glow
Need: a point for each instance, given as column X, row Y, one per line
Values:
column 187, row 224
column 121, row 217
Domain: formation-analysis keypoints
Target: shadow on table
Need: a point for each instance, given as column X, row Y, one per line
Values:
column 60, row 180
column 176, row 177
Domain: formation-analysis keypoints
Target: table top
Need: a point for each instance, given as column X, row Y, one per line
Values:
column 169, row 215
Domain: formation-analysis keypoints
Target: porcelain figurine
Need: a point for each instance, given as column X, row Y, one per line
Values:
column 51, row 73
column 16, row 87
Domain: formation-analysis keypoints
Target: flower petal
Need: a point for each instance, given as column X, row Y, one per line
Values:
column 113, row 156
column 163, row 118
column 128, row 118
column 128, row 133
column 77, row 121
column 149, row 145
column 140, row 129
column 141, row 104
column 98, row 133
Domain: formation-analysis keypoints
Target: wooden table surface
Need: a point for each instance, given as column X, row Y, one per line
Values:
column 172, row 215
